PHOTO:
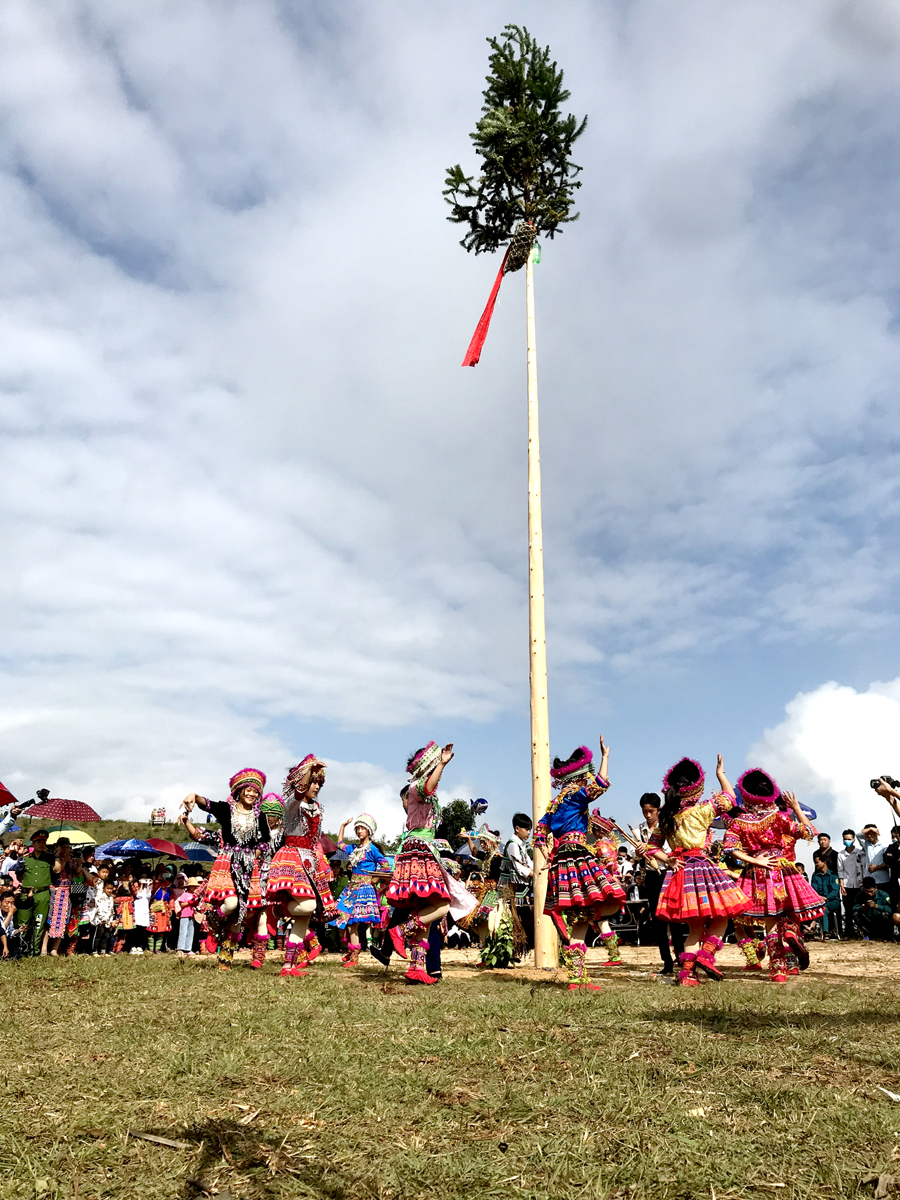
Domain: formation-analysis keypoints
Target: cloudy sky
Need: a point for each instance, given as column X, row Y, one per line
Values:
column 251, row 504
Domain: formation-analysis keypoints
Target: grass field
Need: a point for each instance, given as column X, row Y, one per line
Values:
column 347, row 1084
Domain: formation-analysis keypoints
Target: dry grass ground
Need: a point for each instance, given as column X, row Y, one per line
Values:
column 347, row 1084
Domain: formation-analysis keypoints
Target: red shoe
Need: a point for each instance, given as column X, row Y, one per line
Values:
column 561, row 928
column 418, row 977
column 796, row 943
column 591, row 987
column 297, row 972
column 779, row 978
column 615, row 962
column 315, row 950
column 757, row 966
column 399, row 942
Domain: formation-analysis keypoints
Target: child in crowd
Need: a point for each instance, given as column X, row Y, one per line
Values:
column 104, row 920
column 186, row 911
column 9, row 935
column 140, row 893
column 159, row 914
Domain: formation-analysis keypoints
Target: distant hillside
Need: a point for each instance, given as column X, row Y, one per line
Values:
column 109, row 831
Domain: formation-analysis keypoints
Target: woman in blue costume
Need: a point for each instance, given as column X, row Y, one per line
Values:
column 358, row 903
column 580, row 889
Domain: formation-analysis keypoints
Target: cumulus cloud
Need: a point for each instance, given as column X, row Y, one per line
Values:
column 244, row 479
column 832, row 741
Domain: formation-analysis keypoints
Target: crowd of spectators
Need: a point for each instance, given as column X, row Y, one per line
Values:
column 58, row 900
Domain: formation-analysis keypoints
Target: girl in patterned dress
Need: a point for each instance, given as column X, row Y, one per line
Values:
column 695, row 890
column 421, row 890
column 300, row 877
column 779, row 897
column 580, row 888
column 359, row 903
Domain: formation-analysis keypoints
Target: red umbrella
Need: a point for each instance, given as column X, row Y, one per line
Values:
column 327, row 844
column 161, row 846
column 6, row 796
column 64, row 810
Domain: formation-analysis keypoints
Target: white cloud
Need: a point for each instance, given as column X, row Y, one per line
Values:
column 244, row 478
column 832, row 741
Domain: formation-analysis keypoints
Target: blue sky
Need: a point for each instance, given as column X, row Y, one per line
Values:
column 251, row 504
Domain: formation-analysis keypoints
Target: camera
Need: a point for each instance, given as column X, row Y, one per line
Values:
column 873, row 783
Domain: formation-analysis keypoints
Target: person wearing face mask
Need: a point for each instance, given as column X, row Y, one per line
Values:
column 851, row 872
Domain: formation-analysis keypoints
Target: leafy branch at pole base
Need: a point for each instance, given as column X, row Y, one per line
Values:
column 525, row 144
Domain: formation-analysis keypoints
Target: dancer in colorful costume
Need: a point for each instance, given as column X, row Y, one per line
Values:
column 421, row 890
column 483, row 883
column 695, row 890
column 359, row 903
column 300, row 877
column 580, row 888
column 778, row 895
column 237, row 882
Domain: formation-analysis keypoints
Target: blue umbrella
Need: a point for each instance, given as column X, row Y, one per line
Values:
column 126, row 848
column 197, row 852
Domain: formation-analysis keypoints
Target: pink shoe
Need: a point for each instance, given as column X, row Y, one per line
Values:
column 399, row 942
column 413, row 976
column 591, row 987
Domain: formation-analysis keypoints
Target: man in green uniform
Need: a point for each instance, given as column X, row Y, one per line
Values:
column 34, row 901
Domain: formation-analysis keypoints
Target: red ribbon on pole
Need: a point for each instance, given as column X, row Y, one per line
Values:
column 481, row 329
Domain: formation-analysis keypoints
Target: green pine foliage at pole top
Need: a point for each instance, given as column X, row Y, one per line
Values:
column 525, row 143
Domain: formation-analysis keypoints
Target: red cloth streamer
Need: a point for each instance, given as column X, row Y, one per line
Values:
column 474, row 351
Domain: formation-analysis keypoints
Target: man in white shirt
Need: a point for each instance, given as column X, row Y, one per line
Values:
column 517, row 868
column 874, row 849
column 851, row 872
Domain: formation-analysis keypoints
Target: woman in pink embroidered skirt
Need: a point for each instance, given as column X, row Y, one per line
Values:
column 421, row 891
column 779, row 897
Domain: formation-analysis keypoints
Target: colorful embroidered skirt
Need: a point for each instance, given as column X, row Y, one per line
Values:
column 578, row 882
column 288, row 877
column 220, row 885
column 58, row 918
column 417, row 879
column 699, row 890
column 358, row 903
column 159, row 919
column 778, row 893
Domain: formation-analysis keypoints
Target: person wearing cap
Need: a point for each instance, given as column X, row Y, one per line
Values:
column 358, row 904
column 33, row 872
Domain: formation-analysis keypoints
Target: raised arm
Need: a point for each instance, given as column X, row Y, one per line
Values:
column 604, row 758
column 431, row 783
column 809, row 829
column 722, row 777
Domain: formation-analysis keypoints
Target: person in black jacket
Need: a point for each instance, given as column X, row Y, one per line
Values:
column 651, row 886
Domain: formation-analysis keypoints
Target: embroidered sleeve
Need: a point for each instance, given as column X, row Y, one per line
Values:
column 731, row 840
column 656, row 841
column 543, row 838
column 722, row 802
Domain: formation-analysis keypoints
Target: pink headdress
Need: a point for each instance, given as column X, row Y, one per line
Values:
column 580, row 762
column 295, row 774
column 757, row 787
column 248, row 776
column 687, row 778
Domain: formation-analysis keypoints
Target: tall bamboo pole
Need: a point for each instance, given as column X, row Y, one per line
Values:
column 545, row 949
